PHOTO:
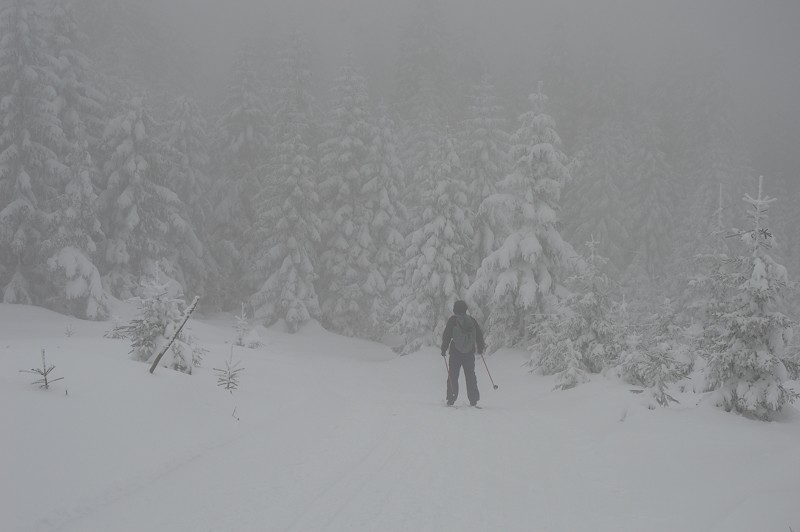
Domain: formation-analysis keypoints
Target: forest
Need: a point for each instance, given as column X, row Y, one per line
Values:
column 602, row 220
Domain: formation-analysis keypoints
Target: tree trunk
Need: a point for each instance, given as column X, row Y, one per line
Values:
column 186, row 314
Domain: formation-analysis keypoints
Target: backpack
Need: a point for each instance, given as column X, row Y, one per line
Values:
column 464, row 335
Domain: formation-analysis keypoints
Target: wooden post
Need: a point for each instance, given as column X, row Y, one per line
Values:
column 186, row 314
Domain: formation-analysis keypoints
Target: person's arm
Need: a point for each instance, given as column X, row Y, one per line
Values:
column 448, row 334
column 479, row 337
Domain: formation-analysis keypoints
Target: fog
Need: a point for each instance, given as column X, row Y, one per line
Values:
column 755, row 44
column 660, row 116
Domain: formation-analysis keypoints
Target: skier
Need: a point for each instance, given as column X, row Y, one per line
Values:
column 462, row 335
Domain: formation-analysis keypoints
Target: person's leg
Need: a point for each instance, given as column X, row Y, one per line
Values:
column 452, row 379
column 472, row 382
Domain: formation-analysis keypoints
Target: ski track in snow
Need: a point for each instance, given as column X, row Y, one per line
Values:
column 337, row 434
column 65, row 519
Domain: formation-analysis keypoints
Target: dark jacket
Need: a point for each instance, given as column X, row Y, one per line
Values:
column 448, row 336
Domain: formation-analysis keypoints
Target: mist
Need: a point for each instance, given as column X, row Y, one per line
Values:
column 668, row 112
column 590, row 208
column 753, row 45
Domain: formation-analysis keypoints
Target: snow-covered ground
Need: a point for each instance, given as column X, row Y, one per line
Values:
column 332, row 433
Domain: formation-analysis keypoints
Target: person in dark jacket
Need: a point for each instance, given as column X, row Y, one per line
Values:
column 462, row 335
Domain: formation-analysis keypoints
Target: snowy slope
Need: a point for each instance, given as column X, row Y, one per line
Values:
column 340, row 434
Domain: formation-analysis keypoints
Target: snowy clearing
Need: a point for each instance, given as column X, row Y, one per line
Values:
column 341, row 434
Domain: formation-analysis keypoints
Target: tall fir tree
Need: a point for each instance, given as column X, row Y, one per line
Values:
column 286, row 234
column 522, row 278
column 242, row 141
column 188, row 175
column 188, row 136
column 483, row 145
column 595, row 202
column 347, row 255
column 30, row 138
column 80, row 103
column 386, row 216
column 74, row 282
column 147, row 227
column 424, row 95
column 583, row 338
column 437, row 254
column 651, row 195
column 243, row 130
column 747, row 337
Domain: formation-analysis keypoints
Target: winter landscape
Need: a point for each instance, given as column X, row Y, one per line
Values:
column 237, row 242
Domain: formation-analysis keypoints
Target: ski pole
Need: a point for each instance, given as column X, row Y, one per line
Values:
column 450, row 389
column 487, row 371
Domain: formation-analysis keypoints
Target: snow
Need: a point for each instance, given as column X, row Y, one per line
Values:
column 333, row 433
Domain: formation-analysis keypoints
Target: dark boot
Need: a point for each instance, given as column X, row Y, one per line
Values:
column 472, row 382
column 452, row 379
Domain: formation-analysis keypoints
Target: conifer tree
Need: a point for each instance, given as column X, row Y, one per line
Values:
column 287, row 229
column 348, row 253
column 595, row 203
column 436, row 269
column 420, row 146
column 80, row 104
column 483, row 145
column 160, row 313
column 584, row 338
column 189, row 138
column 424, row 96
column 241, row 139
column 244, row 129
column 386, row 216
column 651, row 195
column 746, row 335
column 74, row 283
column 522, row 277
column 145, row 221
column 188, row 175
column 30, row 138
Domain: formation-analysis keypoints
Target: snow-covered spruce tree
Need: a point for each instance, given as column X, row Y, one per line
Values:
column 348, row 273
column 584, row 337
column 483, row 148
column 521, row 280
column 243, row 130
column 144, row 220
column 421, row 138
column 424, row 96
column 712, row 251
column 436, row 270
column 746, row 336
column 30, row 136
column 160, row 313
column 241, row 140
column 242, row 327
column 595, row 204
column 386, row 215
column 74, row 283
column 188, row 176
column 653, row 355
column 189, row 138
column 651, row 196
column 287, row 231
column 80, row 104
